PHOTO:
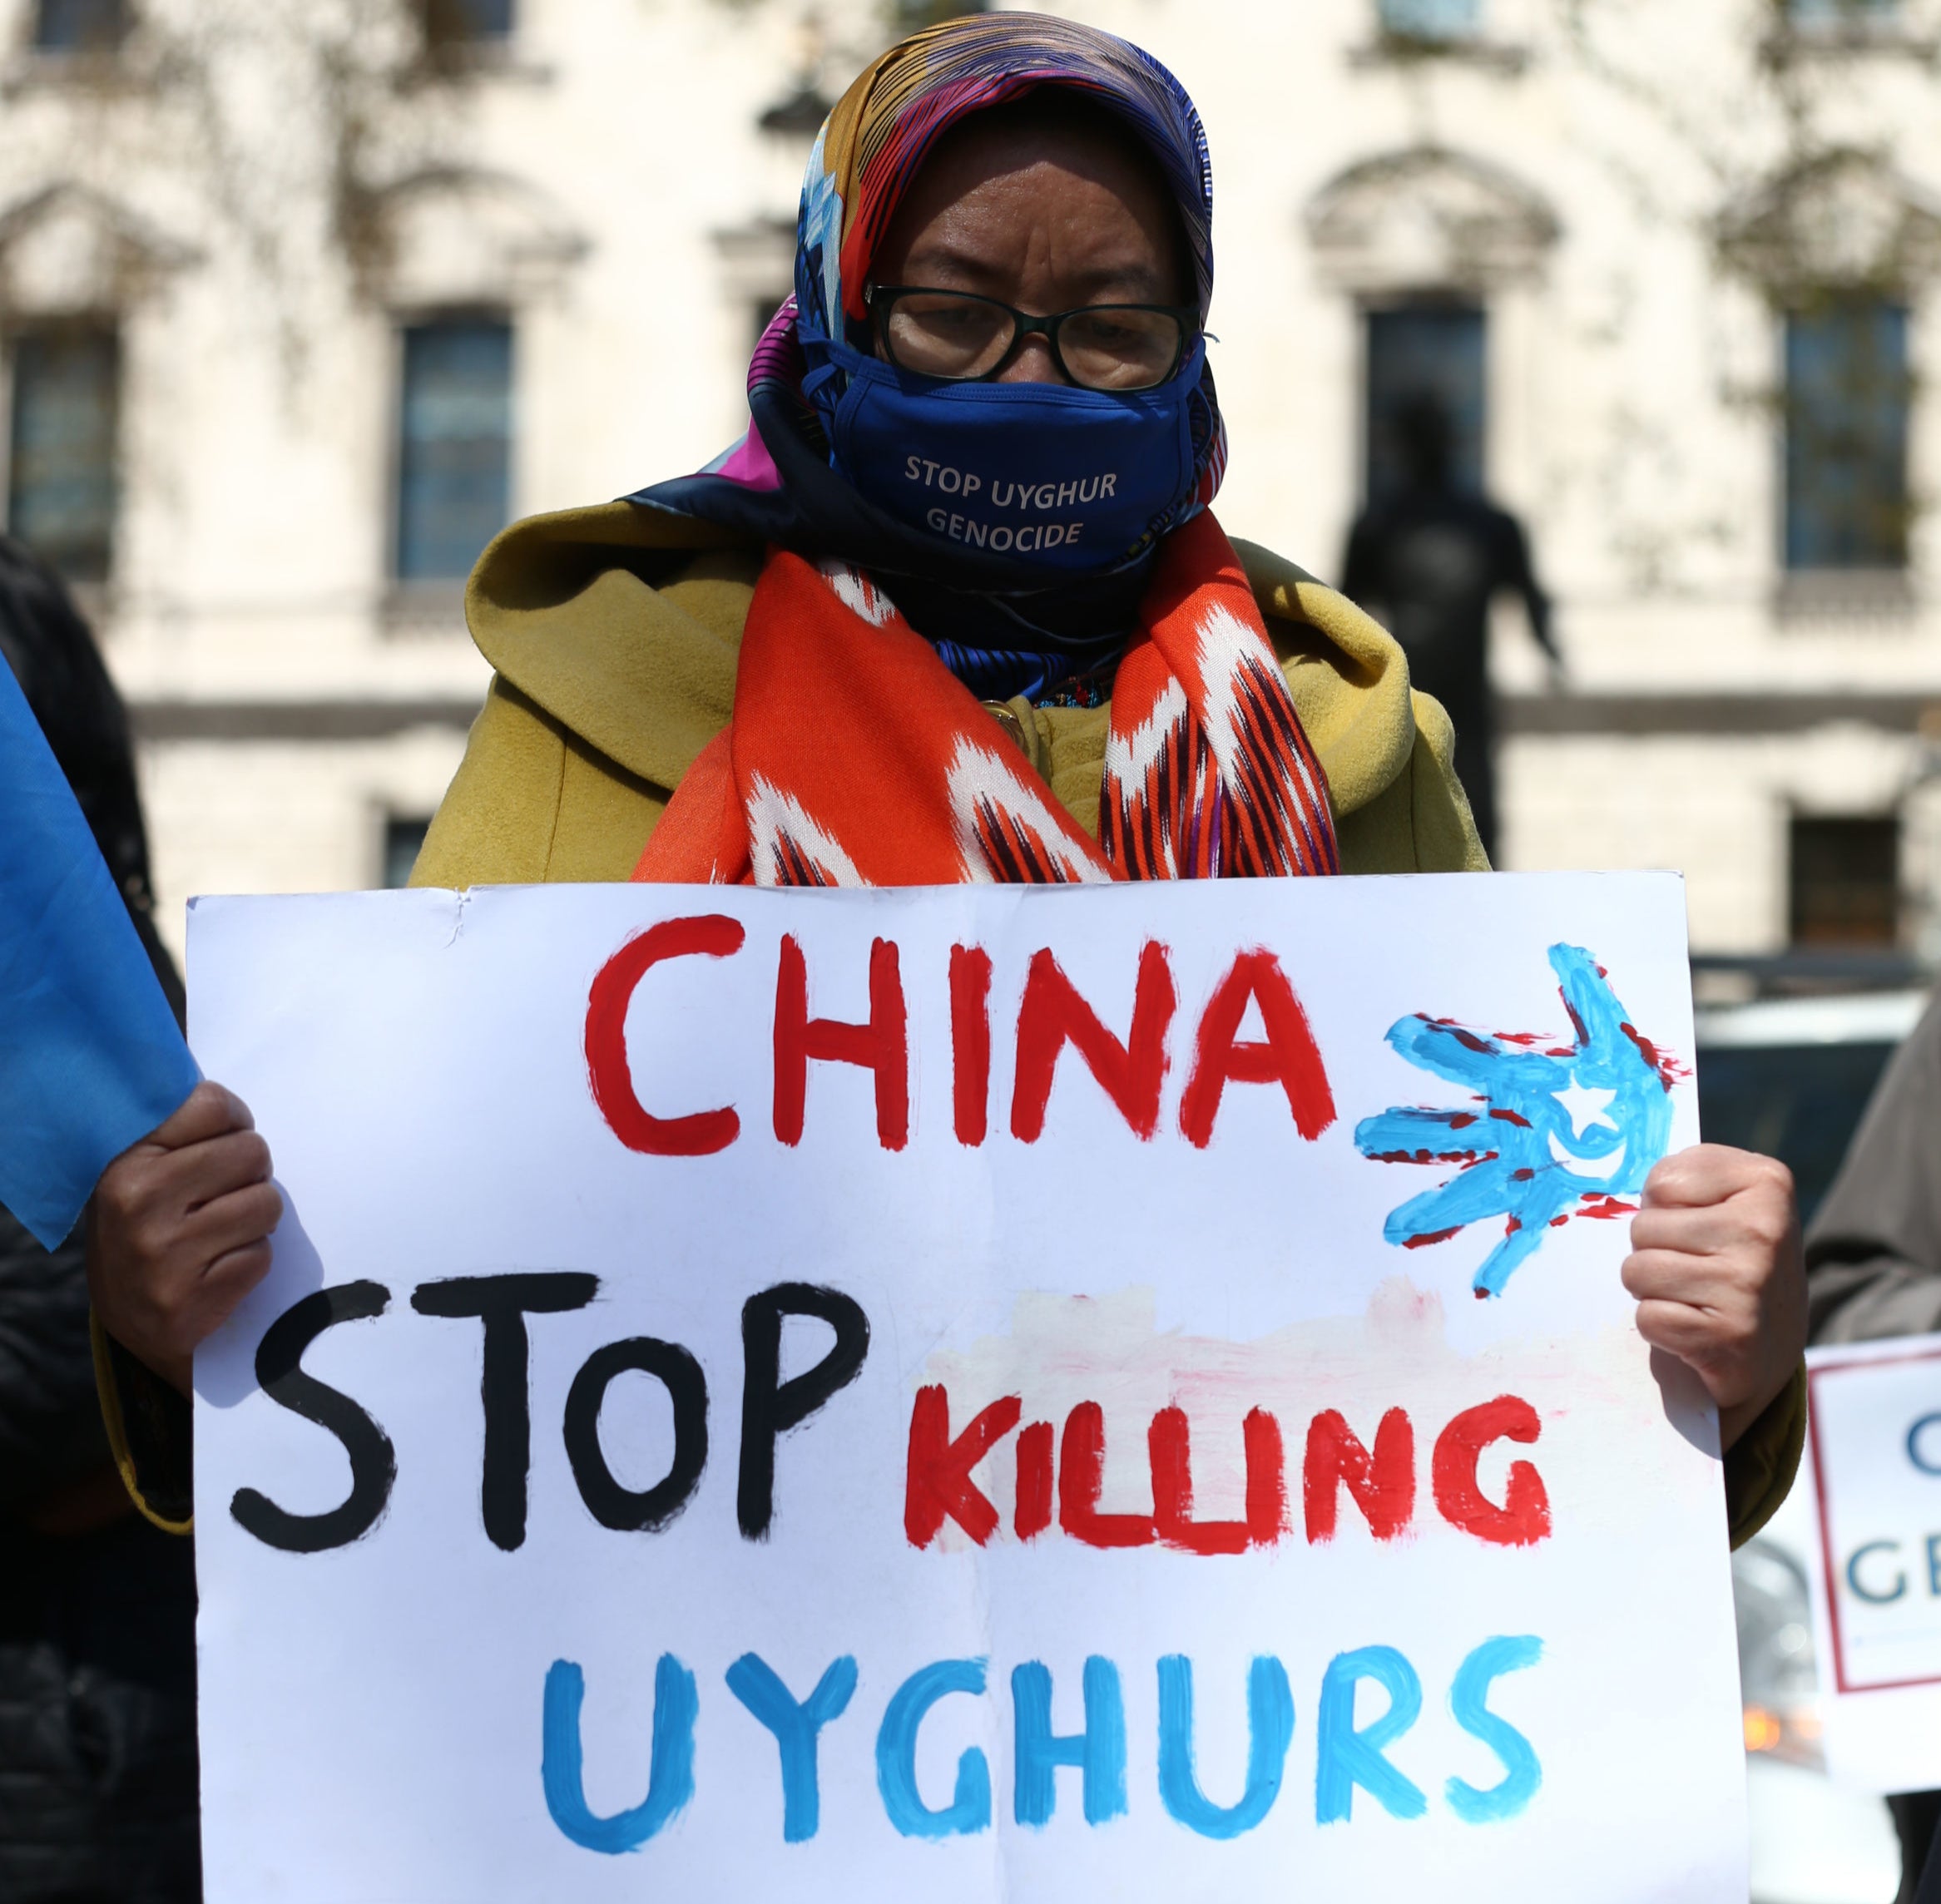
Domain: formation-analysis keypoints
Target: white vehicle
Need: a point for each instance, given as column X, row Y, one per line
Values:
column 1790, row 1076
column 1812, row 1842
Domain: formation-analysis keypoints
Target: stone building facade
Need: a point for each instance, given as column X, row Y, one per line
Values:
column 299, row 297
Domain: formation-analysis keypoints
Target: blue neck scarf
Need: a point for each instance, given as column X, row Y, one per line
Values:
column 1029, row 582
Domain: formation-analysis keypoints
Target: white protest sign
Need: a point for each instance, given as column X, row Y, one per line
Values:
column 1873, row 1472
column 967, row 1393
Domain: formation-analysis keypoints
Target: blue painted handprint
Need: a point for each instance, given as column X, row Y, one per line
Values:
column 1556, row 1124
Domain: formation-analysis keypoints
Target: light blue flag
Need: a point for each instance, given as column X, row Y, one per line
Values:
column 90, row 1055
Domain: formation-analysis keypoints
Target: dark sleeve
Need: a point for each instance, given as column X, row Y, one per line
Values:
column 1874, row 1253
column 1760, row 1464
column 51, row 1429
column 150, row 1433
column 1361, row 568
column 145, row 1424
column 1516, row 572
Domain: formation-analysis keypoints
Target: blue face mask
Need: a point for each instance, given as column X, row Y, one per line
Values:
column 1071, row 480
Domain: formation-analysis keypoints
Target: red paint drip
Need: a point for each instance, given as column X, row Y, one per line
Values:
column 1606, row 1206
column 1668, row 1068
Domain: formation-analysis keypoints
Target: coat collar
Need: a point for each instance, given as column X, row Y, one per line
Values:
column 623, row 625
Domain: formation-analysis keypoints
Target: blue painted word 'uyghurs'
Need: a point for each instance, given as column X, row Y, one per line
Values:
column 1561, row 1127
column 1346, row 1756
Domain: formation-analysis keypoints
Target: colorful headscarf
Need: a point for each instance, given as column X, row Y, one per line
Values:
column 998, row 621
column 884, row 127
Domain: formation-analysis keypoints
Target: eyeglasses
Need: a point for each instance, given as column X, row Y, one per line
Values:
column 966, row 339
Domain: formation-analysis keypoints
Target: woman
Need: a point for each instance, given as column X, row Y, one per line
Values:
column 98, row 1610
column 954, row 609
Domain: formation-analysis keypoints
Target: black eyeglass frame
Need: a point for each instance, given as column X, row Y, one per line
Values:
column 881, row 300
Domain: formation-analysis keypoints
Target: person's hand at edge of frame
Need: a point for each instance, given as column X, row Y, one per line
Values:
column 1720, row 1283
column 178, row 1231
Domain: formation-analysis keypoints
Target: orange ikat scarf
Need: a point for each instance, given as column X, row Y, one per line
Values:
column 855, row 758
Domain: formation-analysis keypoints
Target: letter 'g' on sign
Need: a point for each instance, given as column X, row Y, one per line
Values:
column 1924, row 1444
column 700, row 1133
column 1875, row 1590
column 970, row 1809
column 1524, row 1516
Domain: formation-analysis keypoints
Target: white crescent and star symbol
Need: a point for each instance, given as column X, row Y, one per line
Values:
column 1586, row 1106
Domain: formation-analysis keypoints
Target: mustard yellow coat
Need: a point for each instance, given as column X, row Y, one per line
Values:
column 613, row 632
column 615, row 629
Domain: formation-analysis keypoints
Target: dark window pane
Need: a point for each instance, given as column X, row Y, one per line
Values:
column 1845, row 882
column 454, row 464
column 1430, row 19
column 449, row 22
column 61, row 465
column 403, row 839
column 1425, row 353
column 79, row 26
column 910, row 16
column 1798, row 1103
column 1846, row 436
column 1840, row 13
column 761, row 313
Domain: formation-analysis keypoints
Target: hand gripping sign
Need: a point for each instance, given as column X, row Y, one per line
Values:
column 975, row 1393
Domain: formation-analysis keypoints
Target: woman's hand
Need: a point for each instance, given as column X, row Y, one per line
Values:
column 178, row 1231
column 1715, row 1266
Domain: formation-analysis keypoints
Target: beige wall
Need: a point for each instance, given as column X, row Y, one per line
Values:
column 607, row 182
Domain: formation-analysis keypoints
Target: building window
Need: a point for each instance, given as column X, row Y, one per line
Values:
column 761, row 314
column 1845, row 882
column 1846, row 417
column 462, row 23
column 455, row 458
column 1435, row 21
column 912, row 16
column 79, row 26
column 1823, row 16
column 61, row 458
column 1424, row 357
column 403, row 840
